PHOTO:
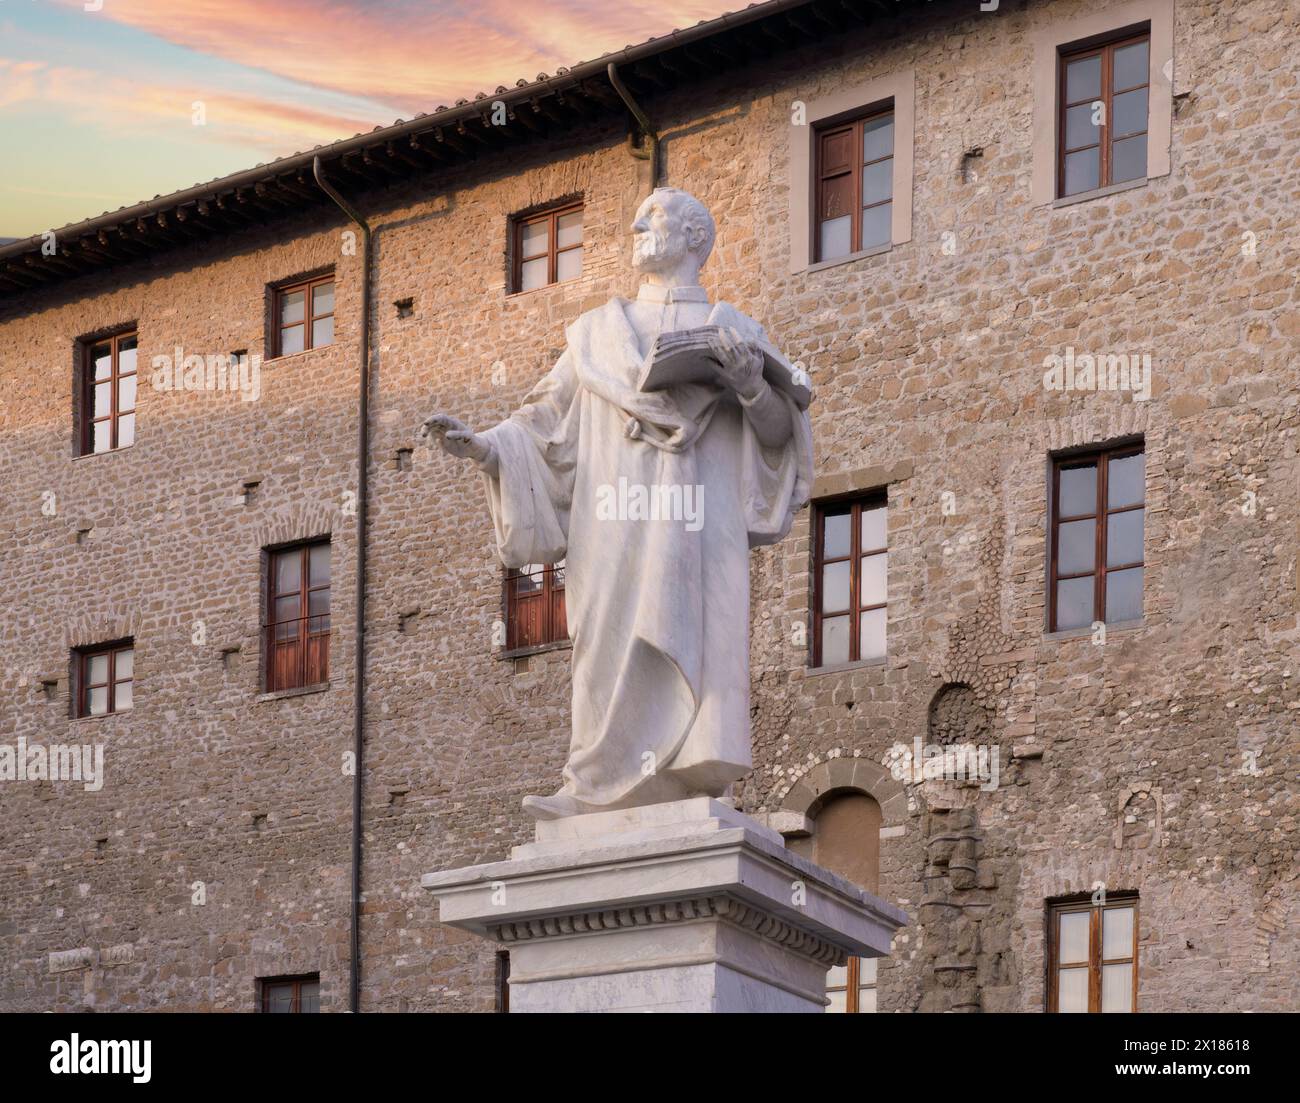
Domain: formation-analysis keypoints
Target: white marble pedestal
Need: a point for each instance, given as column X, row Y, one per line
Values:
column 686, row 906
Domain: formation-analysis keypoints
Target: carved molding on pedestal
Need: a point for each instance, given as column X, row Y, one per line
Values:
column 752, row 919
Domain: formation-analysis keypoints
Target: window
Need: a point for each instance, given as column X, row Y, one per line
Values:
column 304, row 315
column 883, row 113
column 535, row 613
column 502, row 982
column 850, row 570
column 846, row 840
column 108, row 394
column 1098, row 519
column 104, row 677
column 1092, row 955
column 851, row 988
column 547, row 247
column 1102, row 127
column 291, row 995
column 1058, row 41
column 297, row 629
column 855, row 185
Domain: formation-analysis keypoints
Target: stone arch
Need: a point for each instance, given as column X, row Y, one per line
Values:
column 295, row 524
column 1099, row 424
column 957, row 716
column 845, row 775
column 95, row 628
column 1141, row 817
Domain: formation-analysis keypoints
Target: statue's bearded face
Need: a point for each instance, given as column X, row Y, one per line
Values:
column 659, row 239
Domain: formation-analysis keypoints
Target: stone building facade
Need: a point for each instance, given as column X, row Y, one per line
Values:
column 1156, row 758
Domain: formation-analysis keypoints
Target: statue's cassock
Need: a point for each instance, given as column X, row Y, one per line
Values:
column 658, row 614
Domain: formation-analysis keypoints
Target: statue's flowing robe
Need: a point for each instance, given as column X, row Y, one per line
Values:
column 658, row 614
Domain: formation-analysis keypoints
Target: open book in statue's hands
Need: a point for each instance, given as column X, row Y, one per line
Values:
column 683, row 356
column 689, row 356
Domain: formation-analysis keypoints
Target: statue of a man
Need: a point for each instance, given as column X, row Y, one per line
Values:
column 653, row 498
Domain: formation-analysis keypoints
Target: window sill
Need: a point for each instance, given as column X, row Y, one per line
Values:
column 1086, row 630
column 301, row 352
column 109, row 452
column 101, row 716
column 511, row 295
column 844, row 668
column 540, row 649
column 861, row 254
column 298, row 691
column 1099, row 193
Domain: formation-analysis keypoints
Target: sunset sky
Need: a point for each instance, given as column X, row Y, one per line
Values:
column 98, row 108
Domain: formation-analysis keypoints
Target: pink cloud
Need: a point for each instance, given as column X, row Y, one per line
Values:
column 19, row 80
column 415, row 55
column 129, row 105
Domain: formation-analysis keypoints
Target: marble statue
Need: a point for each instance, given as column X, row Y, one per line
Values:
column 653, row 497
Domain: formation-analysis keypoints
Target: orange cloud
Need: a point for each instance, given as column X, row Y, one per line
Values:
column 18, row 80
column 415, row 55
column 127, row 106
column 345, row 65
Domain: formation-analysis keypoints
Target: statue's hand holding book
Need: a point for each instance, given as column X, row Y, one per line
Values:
column 698, row 355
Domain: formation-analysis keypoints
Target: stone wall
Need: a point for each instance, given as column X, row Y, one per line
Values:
column 1157, row 761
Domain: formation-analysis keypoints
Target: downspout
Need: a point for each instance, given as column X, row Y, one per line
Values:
column 649, row 149
column 359, row 660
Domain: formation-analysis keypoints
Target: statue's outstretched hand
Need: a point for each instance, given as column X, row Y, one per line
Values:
column 458, row 439
column 740, row 363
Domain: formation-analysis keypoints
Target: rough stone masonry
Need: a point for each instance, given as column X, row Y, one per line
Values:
column 1163, row 762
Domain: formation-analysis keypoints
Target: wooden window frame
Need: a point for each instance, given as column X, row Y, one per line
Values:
column 853, row 987
column 88, row 419
column 857, row 503
column 1102, row 457
column 856, row 124
column 551, row 215
column 501, row 982
column 555, row 628
column 295, row 1007
column 305, row 634
column 1106, row 51
column 1095, row 961
column 309, row 315
column 82, row 685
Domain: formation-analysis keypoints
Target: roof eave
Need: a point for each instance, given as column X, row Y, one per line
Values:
column 267, row 189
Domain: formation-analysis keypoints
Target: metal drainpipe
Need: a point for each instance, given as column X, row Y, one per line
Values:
column 650, row 151
column 359, row 671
